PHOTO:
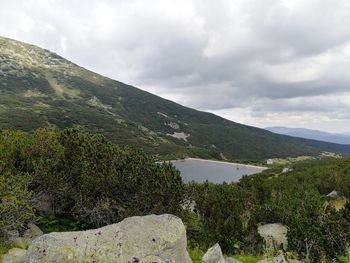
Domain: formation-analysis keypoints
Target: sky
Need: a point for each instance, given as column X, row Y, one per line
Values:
column 258, row 62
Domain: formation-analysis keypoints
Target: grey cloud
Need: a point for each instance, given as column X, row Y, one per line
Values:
column 212, row 55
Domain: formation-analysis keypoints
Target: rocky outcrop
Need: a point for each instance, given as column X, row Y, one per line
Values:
column 147, row 239
column 275, row 235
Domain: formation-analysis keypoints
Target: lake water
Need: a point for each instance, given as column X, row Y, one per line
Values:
column 216, row 172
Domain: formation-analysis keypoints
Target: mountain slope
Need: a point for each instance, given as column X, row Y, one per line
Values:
column 312, row 134
column 41, row 89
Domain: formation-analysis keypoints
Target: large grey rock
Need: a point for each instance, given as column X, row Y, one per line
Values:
column 213, row 255
column 14, row 255
column 148, row 239
column 275, row 235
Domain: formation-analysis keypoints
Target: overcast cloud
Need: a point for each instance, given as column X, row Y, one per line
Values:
column 263, row 63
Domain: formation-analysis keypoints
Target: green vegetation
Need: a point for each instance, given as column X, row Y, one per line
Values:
column 40, row 89
column 6, row 247
column 247, row 259
column 15, row 208
column 230, row 213
column 196, row 254
column 55, row 223
column 71, row 180
column 75, row 180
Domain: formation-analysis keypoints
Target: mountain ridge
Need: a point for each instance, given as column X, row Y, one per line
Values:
column 42, row 89
column 339, row 138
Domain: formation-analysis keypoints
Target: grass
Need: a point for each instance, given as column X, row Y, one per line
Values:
column 247, row 259
column 346, row 257
column 196, row 255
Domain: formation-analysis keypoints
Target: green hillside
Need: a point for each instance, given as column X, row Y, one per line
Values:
column 38, row 88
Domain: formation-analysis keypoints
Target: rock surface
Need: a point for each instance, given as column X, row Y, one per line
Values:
column 30, row 234
column 147, row 239
column 213, row 255
column 279, row 259
column 26, row 239
column 232, row 260
column 275, row 235
column 14, row 255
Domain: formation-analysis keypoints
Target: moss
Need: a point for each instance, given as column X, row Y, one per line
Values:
column 247, row 259
column 196, row 254
column 4, row 248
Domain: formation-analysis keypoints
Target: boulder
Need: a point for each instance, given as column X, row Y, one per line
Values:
column 14, row 255
column 147, row 239
column 213, row 255
column 275, row 235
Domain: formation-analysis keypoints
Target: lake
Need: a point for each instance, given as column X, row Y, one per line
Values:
column 199, row 170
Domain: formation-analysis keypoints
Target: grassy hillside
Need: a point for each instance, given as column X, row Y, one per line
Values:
column 41, row 89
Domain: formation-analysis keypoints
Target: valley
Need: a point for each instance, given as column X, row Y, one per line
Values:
column 87, row 154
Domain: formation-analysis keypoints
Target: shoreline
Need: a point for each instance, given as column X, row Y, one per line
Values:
column 222, row 162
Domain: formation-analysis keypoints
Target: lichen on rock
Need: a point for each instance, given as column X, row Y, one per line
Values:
column 147, row 239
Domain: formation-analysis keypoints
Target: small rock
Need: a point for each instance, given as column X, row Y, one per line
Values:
column 232, row 260
column 29, row 235
column 213, row 255
column 334, row 193
column 278, row 259
column 14, row 255
column 32, row 232
column 275, row 235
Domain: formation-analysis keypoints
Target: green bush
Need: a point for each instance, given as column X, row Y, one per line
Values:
column 86, row 177
column 15, row 203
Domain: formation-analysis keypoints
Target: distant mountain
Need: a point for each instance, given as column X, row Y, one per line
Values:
column 312, row 134
column 38, row 88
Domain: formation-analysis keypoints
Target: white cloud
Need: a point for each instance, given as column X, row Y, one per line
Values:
column 262, row 63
